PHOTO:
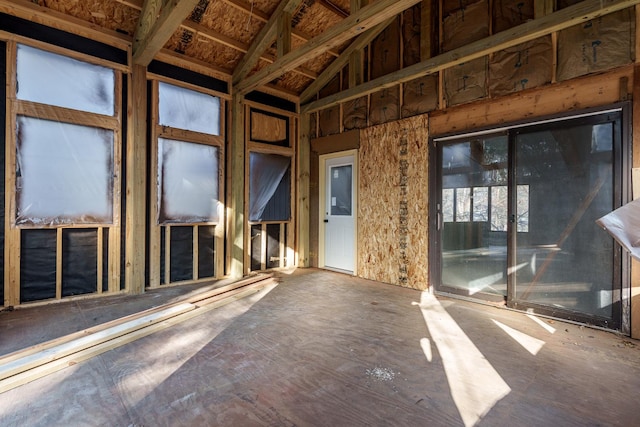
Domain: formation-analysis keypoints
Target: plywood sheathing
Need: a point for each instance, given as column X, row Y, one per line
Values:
column 313, row 18
column 266, row 6
column 103, row 13
column 267, row 128
column 319, row 63
column 293, row 82
column 204, row 50
column 231, row 22
column 392, row 203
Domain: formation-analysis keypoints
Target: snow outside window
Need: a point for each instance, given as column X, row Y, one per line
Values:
column 53, row 79
column 187, row 182
column 64, row 173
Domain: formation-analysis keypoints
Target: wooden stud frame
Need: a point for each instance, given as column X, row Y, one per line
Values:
column 155, row 229
column 287, row 228
column 16, row 107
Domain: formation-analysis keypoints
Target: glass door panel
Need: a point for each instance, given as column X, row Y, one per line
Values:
column 563, row 259
column 473, row 217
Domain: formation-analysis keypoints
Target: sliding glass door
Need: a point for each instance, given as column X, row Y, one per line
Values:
column 473, row 216
column 515, row 217
column 564, row 261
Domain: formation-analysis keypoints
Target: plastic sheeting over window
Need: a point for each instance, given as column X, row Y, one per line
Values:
column 53, row 79
column 267, row 171
column 64, row 173
column 188, row 182
column 187, row 109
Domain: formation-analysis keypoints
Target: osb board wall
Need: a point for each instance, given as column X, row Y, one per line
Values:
column 393, row 203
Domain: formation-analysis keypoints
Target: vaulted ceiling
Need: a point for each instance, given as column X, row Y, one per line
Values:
column 282, row 44
column 293, row 47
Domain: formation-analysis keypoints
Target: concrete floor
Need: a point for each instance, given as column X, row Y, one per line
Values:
column 325, row 349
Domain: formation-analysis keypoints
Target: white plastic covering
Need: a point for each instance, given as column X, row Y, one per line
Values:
column 64, row 173
column 188, row 182
column 187, row 109
column 265, row 172
column 624, row 225
column 53, row 79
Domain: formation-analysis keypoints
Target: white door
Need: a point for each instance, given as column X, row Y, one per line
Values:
column 339, row 217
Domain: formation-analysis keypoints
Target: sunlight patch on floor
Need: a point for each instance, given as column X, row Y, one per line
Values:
column 475, row 385
column 529, row 343
column 546, row 326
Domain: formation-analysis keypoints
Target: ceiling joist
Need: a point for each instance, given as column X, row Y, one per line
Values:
column 531, row 30
column 368, row 17
column 263, row 40
column 158, row 21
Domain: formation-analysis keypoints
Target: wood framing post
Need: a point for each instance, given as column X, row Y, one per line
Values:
column 426, row 29
column 136, row 155
column 355, row 58
column 283, row 39
column 236, row 199
column 635, row 131
column 304, row 169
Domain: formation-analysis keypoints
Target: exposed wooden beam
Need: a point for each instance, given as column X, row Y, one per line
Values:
column 332, row 7
column 426, row 29
column 236, row 202
column 281, row 92
column 572, row 15
column 61, row 21
column 238, row 45
column 355, row 24
column 283, row 36
column 542, row 8
column 263, row 17
column 194, row 64
column 265, row 37
column 136, row 195
column 304, row 192
column 158, row 21
column 214, row 36
column 339, row 63
column 355, row 58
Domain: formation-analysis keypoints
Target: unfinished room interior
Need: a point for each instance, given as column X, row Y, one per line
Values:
column 320, row 213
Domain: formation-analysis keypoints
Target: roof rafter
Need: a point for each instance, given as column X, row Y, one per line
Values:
column 339, row 63
column 355, row 24
column 332, row 7
column 210, row 34
column 261, row 16
column 572, row 15
column 265, row 37
column 158, row 21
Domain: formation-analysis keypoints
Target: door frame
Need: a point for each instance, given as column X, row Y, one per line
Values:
column 322, row 200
